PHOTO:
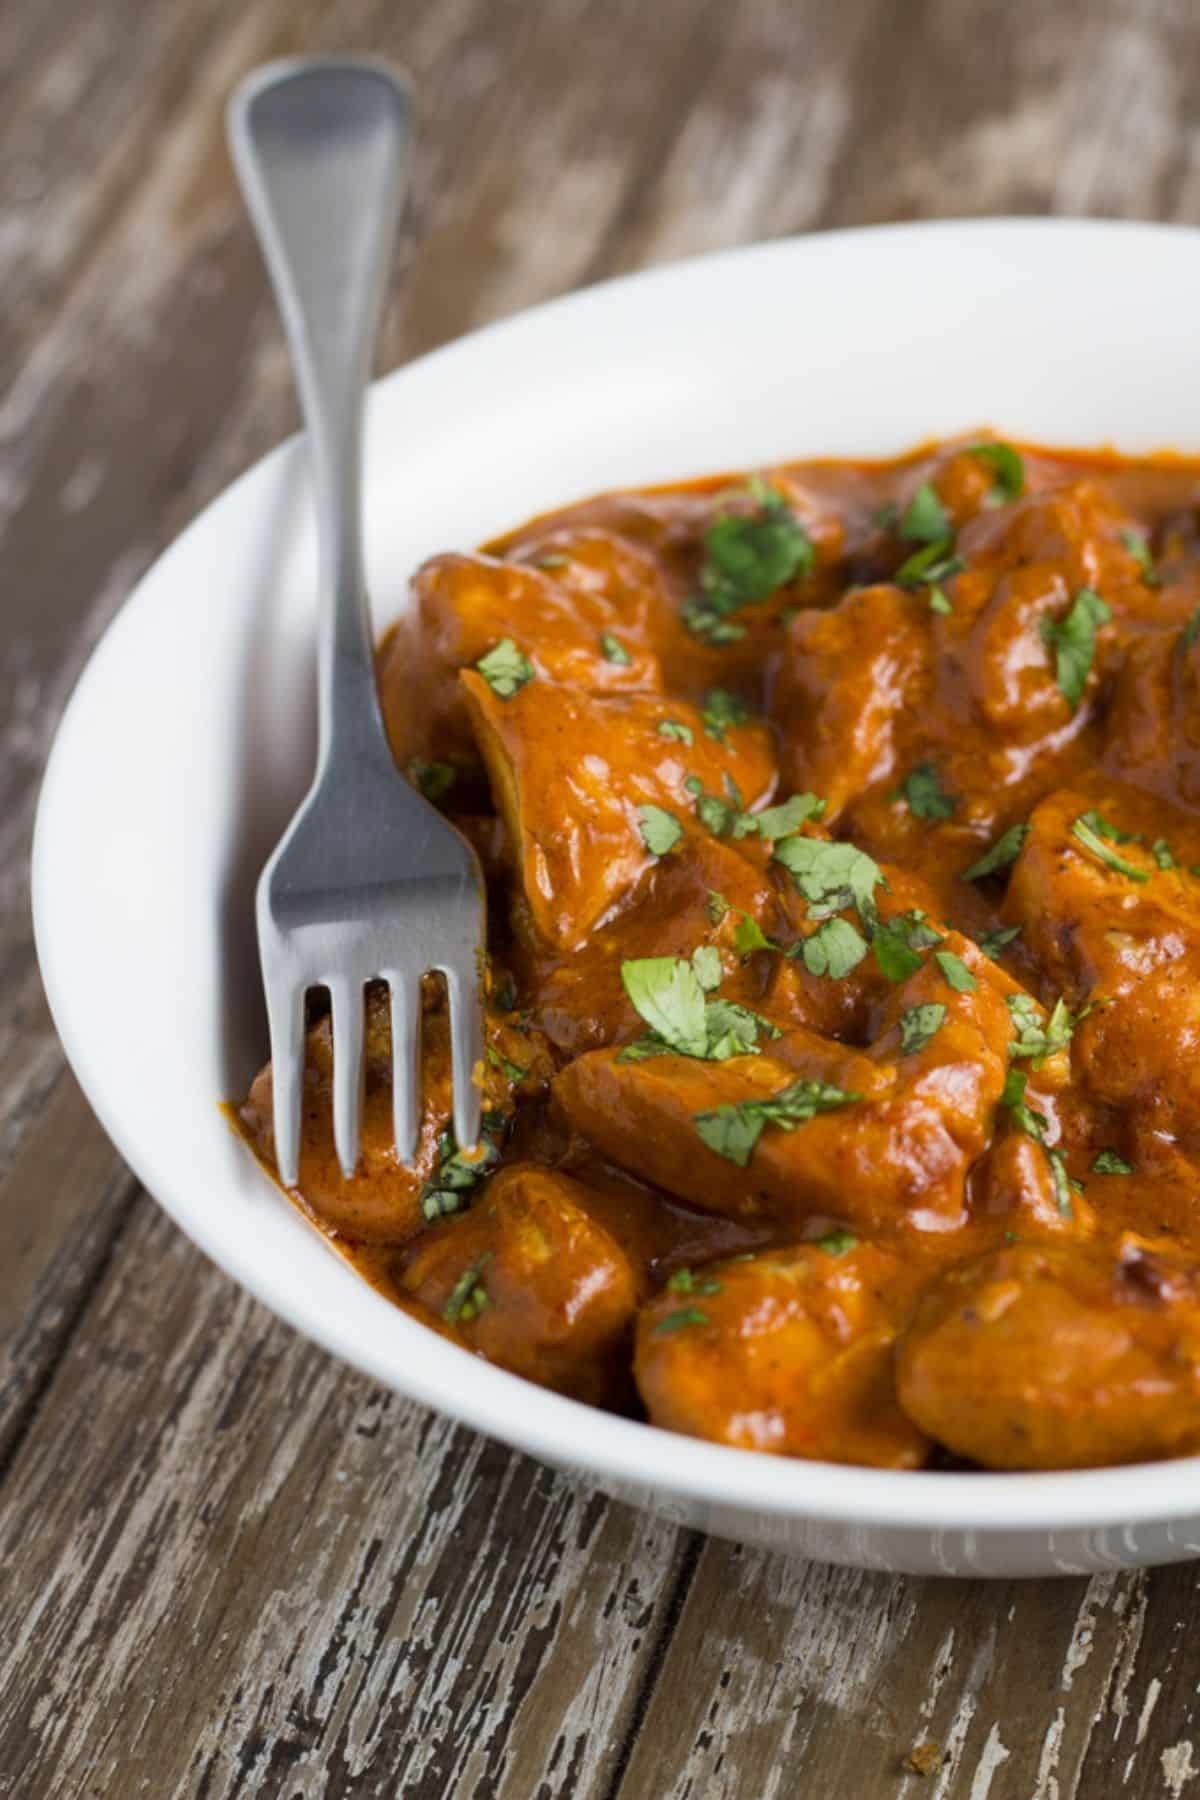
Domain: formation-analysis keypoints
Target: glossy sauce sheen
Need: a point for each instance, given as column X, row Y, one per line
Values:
column 921, row 1183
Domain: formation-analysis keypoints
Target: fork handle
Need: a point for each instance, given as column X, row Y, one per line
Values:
column 320, row 147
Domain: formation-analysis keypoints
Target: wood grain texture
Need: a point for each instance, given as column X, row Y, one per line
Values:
column 228, row 1566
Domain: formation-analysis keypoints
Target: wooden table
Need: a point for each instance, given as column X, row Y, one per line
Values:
column 230, row 1567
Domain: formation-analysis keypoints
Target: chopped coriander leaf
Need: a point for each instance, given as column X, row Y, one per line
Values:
column 1061, row 1181
column 685, row 1281
column 505, row 669
column 457, row 1174
column 777, row 822
column 512, row 1070
column 677, row 732
column 956, row 971
column 1073, row 640
column 716, row 906
column 1138, row 547
column 931, row 564
column 704, row 622
column 886, row 517
column 716, row 815
column 733, row 1130
column 925, row 519
column 505, row 996
column 1160, row 850
column 706, row 967
column 747, row 559
column 749, row 935
column 919, row 1024
column 1034, row 1124
column 678, row 1321
column 660, row 830
column 938, row 602
column 721, row 711
column 1035, row 1039
column 435, row 779
column 1191, row 630
column 614, row 651
column 836, row 1243
column 693, row 784
column 896, row 943
column 1008, row 468
column 734, row 1030
column 665, row 992
column 553, row 560
column 992, row 942
column 1107, row 1162
column 1094, row 844
column 1106, row 829
column 1005, row 850
column 833, row 949
column 468, row 1296
column 924, row 794
column 832, row 876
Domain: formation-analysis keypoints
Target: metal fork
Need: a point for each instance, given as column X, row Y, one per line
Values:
column 368, row 882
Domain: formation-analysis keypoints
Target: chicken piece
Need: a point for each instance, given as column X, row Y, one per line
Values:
column 1153, row 726
column 533, row 1283
column 384, row 1201
column 593, row 636
column 1126, row 944
column 789, row 1351
column 592, row 789
column 1049, row 1357
column 847, row 680
column 697, row 896
column 890, row 1136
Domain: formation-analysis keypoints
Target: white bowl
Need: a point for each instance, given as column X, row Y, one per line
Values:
column 189, row 739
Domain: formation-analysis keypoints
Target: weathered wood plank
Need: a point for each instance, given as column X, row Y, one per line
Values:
column 256, row 1554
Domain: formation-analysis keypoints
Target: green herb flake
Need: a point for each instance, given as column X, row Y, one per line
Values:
column 675, row 731
column 931, row 564
column 1139, row 548
column 716, row 815
column 665, row 992
column 614, row 651
column 749, row 935
column 1008, row 470
column 1191, row 630
column 1034, row 1124
column 747, row 558
column 925, row 520
column 686, row 1281
column 721, row 712
column 1038, row 1036
column 1090, row 839
column 716, row 906
column 1107, row 1162
column 513, row 1071
column 734, row 1129
column 886, row 517
column 706, row 967
column 938, row 602
column 1061, row 1182
column 835, row 1243
column 896, row 944
column 778, row 822
column 447, row 1189
column 435, row 779
column 1073, row 640
column 922, row 792
column 679, row 1321
column 956, row 971
column 554, row 559
column 833, row 949
column 832, row 876
column 1160, row 850
column 919, row 1024
column 992, row 942
column 660, row 830
column 505, row 669
column 1004, row 851
column 468, row 1297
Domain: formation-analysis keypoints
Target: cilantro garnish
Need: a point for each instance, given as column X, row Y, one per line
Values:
column 746, row 560
column 1036, row 1039
column 733, row 1130
column 514, row 1072
column 435, row 779
column 721, row 711
column 1089, row 837
column 660, row 830
column 1034, row 1124
column 930, row 565
column 468, row 1296
column 716, row 906
column 669, row 994
column 924, row 794
column 614, row 651
column 833, row 949
column 1107, row 1162
column 1061, row 1181
column 956, row 971
column 1160, row 850
column 897, row 941
column 925, row 520
column 919, row 1024
column 675, row 731
column 1005, row 850
column 1138, row 547
column 835, row 1243
column 1191, row 630
column 1007, row 467
column 685, row 1281
column 777, row 822
column 554, row 559
column 678, row 1321
column 832, row 876
column 706, row 967
column 1073, row 640
column 505, row 669
column 457, row 1174
column 749, row 935
column 992, row 942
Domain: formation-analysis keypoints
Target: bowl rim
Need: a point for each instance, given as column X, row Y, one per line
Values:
column 547, row 1425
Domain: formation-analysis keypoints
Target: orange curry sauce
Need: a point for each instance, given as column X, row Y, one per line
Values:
column 842, row 832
